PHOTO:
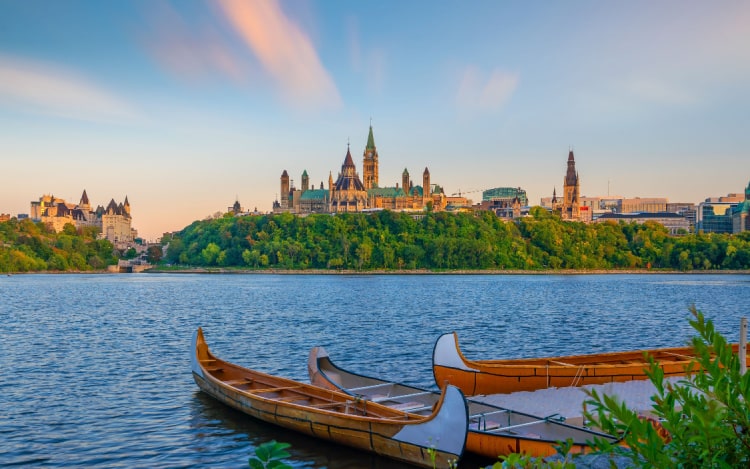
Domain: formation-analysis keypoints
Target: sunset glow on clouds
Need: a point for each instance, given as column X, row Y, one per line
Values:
column 285, row 51
column 192, row 53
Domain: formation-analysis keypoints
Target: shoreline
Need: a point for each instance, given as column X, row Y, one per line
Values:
column 237, row 271
column 451, row 272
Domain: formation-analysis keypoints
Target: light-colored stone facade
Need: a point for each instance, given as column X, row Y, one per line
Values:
column 114, row 221
column 348, row 193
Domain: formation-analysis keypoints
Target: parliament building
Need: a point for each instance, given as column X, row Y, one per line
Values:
column 349, row 193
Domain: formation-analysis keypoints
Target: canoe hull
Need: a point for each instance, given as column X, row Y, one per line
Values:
column 475, row 377
column 421, row 442
column 529, row 434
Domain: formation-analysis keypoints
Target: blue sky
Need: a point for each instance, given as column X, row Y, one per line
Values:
column 186, row 106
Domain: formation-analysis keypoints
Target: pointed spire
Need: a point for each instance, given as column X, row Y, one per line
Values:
column 84, row 198
column 370, row 139
column 348, row 161
column 571, row 176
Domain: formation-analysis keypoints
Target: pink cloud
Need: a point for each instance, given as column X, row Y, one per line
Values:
column 284, row 50
column 192, row 52
column 45, row 88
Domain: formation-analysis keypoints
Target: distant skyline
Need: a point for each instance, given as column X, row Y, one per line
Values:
column 185, row 106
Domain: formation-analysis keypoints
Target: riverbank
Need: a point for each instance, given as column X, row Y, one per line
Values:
column 207, row 270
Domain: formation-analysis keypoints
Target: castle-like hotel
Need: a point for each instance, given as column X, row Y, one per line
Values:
column 113, row 221
column 349, row 193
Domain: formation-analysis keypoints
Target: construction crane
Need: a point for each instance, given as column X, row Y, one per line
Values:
column 459, row 193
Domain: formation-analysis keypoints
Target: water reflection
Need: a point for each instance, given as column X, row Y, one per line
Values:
column 241, row 434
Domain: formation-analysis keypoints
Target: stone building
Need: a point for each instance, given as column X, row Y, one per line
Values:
column 570, row 206
column 114, row 221
column 349, row 193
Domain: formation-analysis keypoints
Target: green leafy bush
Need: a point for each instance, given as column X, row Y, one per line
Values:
column 704, row 418
column 269, row 455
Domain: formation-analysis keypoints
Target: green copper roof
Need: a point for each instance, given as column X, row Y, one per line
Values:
column 742, row 207
column 386, row 192
column 304, row 173
column 370, row 141
column 314, row 194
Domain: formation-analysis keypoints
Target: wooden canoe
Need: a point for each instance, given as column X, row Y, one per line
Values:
column 475, row 377
column 438, row 437
column 493, row 430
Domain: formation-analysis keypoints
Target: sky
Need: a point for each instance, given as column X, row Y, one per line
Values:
column 186, row 106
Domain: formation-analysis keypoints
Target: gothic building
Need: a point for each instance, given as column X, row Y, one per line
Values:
column 570, row 205
column 114, row 221
column 370, row 164
column 349, row 193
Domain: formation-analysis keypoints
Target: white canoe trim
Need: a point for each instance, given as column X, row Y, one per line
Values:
column 440, row 432
column 446, row 353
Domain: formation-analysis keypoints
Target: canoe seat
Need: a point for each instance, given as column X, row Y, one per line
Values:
column 326, row 405
column 411, row 406
column 402, row 396
column 277, row 389
column 239, row 382
column 213, row 369
column 370, row 387
column 300, row 400
column 484, row 425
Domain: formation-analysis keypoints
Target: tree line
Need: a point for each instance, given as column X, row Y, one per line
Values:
column 26, row 246
column 441, row 241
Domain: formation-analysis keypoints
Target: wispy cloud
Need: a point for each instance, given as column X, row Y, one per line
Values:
column 285, row 51
column 370, row 64
column 478, row 93
column 192, row 52
column 49, row 89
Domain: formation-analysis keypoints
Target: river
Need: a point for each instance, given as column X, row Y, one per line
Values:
column 96, row 373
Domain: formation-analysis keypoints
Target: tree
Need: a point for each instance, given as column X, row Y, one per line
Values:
column 154, row 254
column 210, row 253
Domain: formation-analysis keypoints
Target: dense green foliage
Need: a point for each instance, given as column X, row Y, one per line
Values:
column 446, row 241
column 700, row 421
column 26, row 246
column 704, row 419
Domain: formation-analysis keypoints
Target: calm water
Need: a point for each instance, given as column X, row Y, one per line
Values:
column 95, row 368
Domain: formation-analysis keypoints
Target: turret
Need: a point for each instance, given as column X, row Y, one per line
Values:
column 305, row 181
column 284, row 190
